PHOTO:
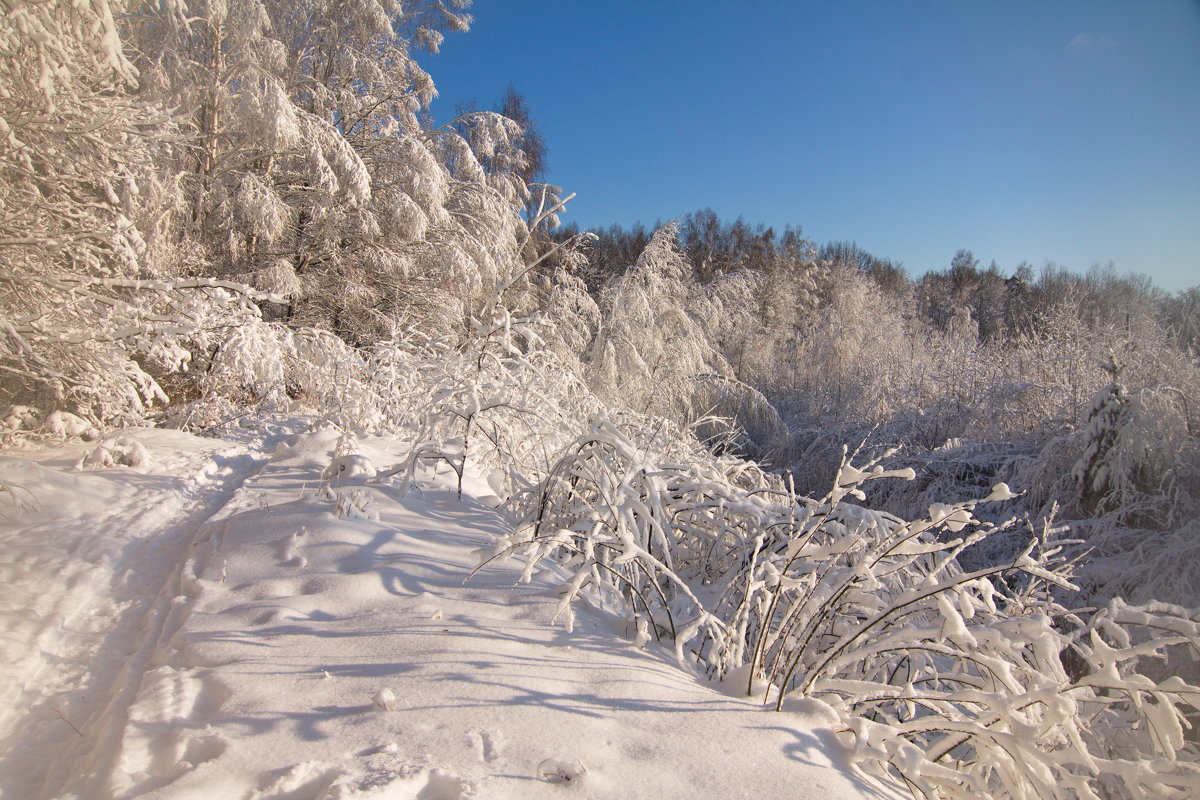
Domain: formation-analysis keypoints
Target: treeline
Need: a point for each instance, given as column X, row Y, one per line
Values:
column 835, row 334
column 993, row 303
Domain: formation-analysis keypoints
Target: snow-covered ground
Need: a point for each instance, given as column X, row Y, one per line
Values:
column 215, row 621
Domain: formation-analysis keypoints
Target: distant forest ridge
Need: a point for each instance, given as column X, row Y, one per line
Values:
column 714, row 246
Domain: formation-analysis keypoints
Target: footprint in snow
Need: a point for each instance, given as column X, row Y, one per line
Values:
column 490, row 745
column 202, row 749
column 372, row 779
column 443, row 786
column 305, row 781
column 265, row 617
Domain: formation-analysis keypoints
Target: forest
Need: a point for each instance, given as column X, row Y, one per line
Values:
column 962, row 509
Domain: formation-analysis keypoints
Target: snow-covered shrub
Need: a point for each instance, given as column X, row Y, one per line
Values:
column 101, row 347
column 955, row 682
column 1002, row 717
column 1140, row 460
column 348, row 468
column 495, row 400
column 355, row 504
column 973, row 412
column 247, row 365
column 1141, row 565
column 610, row 507
column 66, row 425
column 20, row 418
column 325, row 374
column 1128, row 480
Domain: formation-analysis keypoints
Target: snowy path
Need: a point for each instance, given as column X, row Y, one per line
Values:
column 252, row 628
column 91, row 558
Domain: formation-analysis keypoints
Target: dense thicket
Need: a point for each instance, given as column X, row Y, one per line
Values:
column 242, row 207
column 1080, row 388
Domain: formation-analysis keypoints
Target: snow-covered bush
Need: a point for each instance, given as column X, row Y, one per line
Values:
column 117, row 451
column 100, row 347
column 495, row 401
column 992, row 710
column 955, row 682
column 1128, row 479
column 612, row 508
column 1141, row 565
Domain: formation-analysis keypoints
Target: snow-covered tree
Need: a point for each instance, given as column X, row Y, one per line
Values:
column 310, row 172
column 1095, row 472
column 72, row 139
column 77, row 148
column 653, row 352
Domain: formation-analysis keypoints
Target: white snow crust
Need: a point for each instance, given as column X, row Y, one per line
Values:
column 222, row 620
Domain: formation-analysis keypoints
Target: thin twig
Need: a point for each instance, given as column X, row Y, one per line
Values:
column 64, row 719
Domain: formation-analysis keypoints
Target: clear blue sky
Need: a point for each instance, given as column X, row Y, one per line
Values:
column 1021, row 130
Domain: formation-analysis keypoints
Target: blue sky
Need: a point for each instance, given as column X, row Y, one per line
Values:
column 1023, row 131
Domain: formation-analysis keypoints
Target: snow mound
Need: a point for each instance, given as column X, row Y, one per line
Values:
column 351, row 468
column 117, row 451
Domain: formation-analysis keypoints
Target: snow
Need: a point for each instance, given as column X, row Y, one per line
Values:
column 218, row 620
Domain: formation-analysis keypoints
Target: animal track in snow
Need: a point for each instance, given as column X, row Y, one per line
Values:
column 213, row 695
column 270, row 615
column 441, row 786
column 305, row 781
column 202, row 749
column 167, row 694
column 314, row 586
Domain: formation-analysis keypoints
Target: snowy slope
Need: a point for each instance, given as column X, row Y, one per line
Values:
column 216, row 624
